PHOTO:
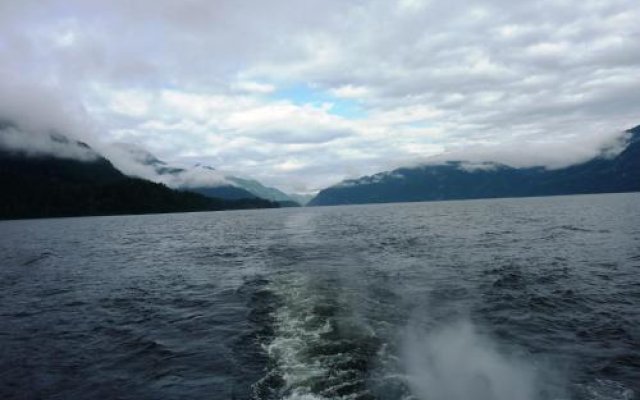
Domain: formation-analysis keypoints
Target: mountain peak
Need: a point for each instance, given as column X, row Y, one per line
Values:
column 635, row 134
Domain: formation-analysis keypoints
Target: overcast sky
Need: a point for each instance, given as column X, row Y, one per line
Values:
column 301, row 94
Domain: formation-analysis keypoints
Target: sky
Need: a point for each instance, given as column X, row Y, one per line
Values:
column 303, row 94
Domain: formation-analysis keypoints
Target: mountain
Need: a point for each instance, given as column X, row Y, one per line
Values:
column 145, row 158
column 227, row 192
column 201, row 179
column 37, row 182
column 210, row 182
column 302, row 199
column 207, row 180
column 459, row 180
column 266, row 192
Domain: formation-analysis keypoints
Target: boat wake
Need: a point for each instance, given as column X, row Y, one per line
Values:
column 322, row 349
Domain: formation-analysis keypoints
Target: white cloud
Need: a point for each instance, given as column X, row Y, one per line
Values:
column 406, row 114
column 35, row 143
column 288, row 123
column 530, row 152
column 350, row 91
column 254, row 87
column 129, row 102
column 212, row 81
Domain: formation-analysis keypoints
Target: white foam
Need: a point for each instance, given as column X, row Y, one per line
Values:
column 297, row 332
column 294, row 335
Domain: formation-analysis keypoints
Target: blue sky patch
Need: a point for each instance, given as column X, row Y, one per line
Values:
column 303, row 94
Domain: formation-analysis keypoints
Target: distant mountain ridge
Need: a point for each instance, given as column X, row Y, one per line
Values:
column 36, row 184
column 220, row 184
column 457, row 180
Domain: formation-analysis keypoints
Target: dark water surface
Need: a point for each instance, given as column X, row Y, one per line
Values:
column 517, row 299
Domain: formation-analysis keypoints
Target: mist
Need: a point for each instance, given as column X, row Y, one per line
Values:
column 36, row 120
column 455, row 362
column 36, row 111
column 551, row 154
column 50, row 144
column 135, row 161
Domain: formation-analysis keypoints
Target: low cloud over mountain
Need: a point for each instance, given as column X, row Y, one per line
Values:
column 615, row 169
column 304, row 95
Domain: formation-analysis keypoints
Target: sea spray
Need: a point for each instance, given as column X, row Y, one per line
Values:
column 455, row 362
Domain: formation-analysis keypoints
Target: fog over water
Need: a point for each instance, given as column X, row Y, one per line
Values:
column 511, row 299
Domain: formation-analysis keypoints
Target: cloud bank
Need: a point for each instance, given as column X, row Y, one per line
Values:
column 301, row 95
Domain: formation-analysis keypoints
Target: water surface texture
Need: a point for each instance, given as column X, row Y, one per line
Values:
column 513, row 299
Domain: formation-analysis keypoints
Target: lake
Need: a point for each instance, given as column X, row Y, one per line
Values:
column 504, row 299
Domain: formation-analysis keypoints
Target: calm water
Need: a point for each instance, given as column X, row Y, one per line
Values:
column 497, row 299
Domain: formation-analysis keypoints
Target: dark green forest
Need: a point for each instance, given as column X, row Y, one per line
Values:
column 45, row 186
